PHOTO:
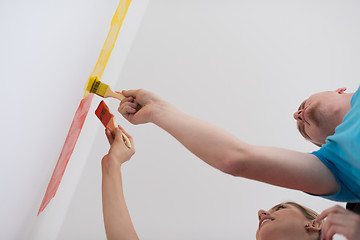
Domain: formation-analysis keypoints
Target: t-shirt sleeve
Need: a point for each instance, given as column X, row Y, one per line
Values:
column 343, row 194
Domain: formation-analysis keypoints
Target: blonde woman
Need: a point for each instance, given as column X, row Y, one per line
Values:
column 293, row 221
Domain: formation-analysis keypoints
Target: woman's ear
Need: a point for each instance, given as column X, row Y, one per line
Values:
column 313, row 226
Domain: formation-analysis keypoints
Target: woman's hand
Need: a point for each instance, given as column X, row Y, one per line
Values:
column 339, row 221
column 117, row 221
column 118, row 152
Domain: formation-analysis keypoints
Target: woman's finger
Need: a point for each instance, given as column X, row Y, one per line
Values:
column 331, row 232
column 128, row 136
column 109, row 136
column 118, row 135
column 326, row 212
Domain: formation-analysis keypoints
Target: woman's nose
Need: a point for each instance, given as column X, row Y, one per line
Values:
column 298, row 115
column 262, row 213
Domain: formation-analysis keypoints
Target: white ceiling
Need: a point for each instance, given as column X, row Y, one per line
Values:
column 242, row 65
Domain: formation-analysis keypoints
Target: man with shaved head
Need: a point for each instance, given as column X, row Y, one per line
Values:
column 328, row 119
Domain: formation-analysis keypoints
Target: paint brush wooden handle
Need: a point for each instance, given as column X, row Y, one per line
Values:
column 110, row 93
column 108, row 120
column 126, row 140
column 96, row 86
column 111, row 126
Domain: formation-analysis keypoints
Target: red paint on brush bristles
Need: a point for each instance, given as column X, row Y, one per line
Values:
column 108, row 120
column 105, row 116
column 103, row 113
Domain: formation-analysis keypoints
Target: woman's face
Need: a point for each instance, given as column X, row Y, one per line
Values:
column 282, row 222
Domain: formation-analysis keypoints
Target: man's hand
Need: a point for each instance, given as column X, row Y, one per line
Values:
column 339, row 221
column 139, row 106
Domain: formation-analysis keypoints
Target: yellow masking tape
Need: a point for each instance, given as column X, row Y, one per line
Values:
column 109, row 43
column 84, row 106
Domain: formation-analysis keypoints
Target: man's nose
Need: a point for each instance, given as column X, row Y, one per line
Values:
column 298, row 115
column 262, row 213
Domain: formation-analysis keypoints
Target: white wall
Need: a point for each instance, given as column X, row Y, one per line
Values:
column 48, row 50
column 240, row 64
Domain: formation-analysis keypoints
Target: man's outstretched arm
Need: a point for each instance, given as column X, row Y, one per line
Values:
column 222, row 150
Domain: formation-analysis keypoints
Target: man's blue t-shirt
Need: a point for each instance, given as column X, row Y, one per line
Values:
column 341, row 154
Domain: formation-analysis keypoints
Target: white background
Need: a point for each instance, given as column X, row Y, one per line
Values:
column 242, row 65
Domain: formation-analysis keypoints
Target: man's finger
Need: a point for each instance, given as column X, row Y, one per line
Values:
column 130, row 93
column 127, row 99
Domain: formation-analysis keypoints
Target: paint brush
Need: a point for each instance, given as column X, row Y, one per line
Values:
column 102, row 89
column 108, row 120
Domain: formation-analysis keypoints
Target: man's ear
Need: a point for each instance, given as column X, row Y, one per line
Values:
column 341, row 90
column 313, row 226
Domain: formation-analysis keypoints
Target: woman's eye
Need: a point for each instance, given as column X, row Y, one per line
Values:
column 280, row 207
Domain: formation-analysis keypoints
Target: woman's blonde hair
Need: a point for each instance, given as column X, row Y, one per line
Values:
column 308, row 213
